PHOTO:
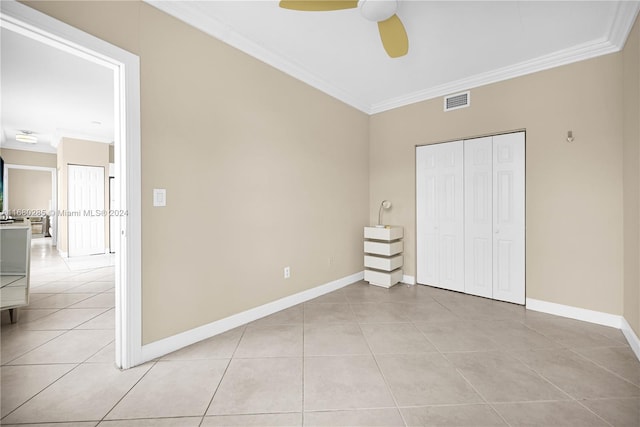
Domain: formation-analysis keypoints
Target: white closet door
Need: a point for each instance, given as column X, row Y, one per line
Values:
column 478, row 176
column 509, row 217
column 85, row 199
column 426, row 224
column 440, row 215
column 451, row 216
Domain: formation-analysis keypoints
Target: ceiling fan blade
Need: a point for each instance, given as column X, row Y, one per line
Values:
column 318, row 5
column 394, row 37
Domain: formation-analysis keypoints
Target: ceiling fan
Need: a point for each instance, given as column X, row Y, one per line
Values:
column 392, row 32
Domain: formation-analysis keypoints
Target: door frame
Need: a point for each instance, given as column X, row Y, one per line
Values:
column 112, row 242
column 126, row 70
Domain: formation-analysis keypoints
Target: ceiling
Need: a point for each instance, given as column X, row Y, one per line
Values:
column 453, row 45
column 53, row 94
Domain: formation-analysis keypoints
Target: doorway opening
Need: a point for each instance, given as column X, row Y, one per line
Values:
column 23, row 20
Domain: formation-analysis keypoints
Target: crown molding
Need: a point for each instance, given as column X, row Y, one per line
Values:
column 190, row 13
column 556, row 59
column 621, row 25
column 39, row 148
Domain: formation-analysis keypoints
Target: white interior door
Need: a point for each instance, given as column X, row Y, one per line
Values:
column 478, row 217
column 440, row 216
column 509, row 217
column 85, row 200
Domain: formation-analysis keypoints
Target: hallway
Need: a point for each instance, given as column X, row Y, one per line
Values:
column 69, row 320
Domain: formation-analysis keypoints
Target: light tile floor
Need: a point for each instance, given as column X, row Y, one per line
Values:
column 360, row 356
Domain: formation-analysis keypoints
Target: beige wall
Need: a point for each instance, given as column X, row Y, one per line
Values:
column 84, row 153
column 261, row 171
column 28, row 158
column 631, row 85
column 574, row 191
column 28, row 190
column 277, row 174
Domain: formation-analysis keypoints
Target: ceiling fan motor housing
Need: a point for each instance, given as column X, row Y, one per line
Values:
column 377, row 10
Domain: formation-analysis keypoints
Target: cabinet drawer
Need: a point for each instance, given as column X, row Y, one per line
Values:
column 10, row 296
column 383, row 263
column 380, row 278
column 382, row 248
column 380, row 233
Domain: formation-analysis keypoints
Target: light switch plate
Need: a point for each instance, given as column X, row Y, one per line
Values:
column 159, row 197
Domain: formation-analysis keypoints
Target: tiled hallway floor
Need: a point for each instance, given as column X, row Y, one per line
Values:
column 360, row 356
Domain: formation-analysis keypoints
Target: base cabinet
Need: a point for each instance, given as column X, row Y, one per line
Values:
column 383, row 257
column 15, row 247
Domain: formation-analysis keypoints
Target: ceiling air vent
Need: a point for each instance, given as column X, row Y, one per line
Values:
column 459, row 100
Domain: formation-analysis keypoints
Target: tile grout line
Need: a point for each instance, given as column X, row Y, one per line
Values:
column 128, row 391
column 493, row 408
column 589, row 409
column 601, row 366
column 101, row 348
column 375, row 360
column 38, row 346
column 466, row 380
column 571, row 398
column 490, row 404
column 77, row 327
column 244, row 329
column 33, row 397
column 69, row 307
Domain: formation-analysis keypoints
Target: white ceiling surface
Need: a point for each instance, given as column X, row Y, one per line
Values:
column 453, row 45
column 52, row 93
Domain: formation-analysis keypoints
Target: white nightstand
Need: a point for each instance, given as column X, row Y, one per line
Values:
column 383, row 258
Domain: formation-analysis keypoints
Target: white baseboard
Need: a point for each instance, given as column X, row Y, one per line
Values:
column 409, row 280
column 577, row 313
column 167, row 345
column 63, row 254
column 631, row 337
column 590, row 316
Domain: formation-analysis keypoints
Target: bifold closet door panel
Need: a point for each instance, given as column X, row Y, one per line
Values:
column 509, row 217
column 478, row 216
column 426, row 218
column 440, row 215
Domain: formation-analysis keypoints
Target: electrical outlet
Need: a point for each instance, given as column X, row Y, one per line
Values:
column 287, row 272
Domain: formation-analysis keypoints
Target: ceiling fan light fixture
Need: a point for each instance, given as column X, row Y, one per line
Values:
column 26, row 136
column 377, row 10
column 392, row 32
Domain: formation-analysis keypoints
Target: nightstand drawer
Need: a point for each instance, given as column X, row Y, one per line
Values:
column 383, row 263
column 383, row 279
column 381, row 233
column 382, row 248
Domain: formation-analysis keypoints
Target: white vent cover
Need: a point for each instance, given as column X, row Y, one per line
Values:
column 459, row 100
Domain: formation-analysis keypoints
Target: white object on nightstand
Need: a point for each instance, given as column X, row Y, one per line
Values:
column 383, row 257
